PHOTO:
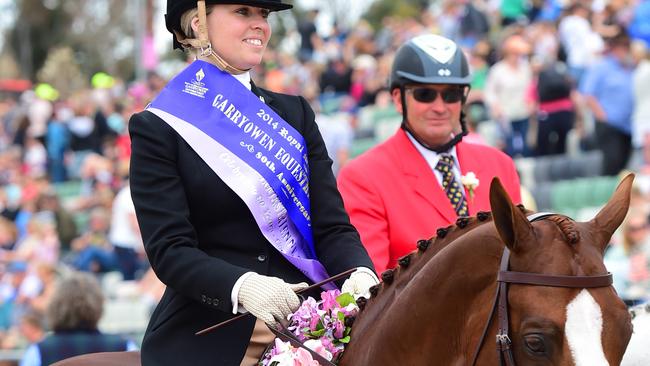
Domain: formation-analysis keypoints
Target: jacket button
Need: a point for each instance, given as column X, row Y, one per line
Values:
column 261, row 257
column 203, row 298
column 215, row 302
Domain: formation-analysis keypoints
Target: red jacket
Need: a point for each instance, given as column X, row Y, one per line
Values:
column 394, row 199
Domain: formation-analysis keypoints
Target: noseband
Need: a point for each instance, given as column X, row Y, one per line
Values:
column 500, row 303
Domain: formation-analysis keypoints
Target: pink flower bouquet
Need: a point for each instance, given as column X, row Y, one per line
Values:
column 321, row 326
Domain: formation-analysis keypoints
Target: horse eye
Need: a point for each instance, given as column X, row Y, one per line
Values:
column 535, row 343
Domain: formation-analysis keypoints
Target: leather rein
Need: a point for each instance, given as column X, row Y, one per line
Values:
column 500, row 302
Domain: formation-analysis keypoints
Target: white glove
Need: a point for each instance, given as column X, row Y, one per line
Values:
column 269, row 299
column 360, row 282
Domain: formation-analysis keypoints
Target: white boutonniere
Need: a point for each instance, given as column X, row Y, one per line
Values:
column 470, row 182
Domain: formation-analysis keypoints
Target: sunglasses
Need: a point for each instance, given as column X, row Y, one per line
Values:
column 428, row 95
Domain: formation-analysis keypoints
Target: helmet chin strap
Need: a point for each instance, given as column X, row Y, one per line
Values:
column 440, row 148
column 202, row 44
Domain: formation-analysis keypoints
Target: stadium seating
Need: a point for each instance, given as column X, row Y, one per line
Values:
column 541, row 170
column 575, row 197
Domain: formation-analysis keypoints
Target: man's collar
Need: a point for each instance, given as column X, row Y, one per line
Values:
column 430, row 155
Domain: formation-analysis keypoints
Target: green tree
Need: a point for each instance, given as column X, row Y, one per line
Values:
column 99, row 32
column 37, row 30
column 381, row 9
column 62, row 72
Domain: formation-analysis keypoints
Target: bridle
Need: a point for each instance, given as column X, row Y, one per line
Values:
column 500, row 303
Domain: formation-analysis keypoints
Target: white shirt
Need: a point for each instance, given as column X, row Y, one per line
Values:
column 641, row 115
column 432, row 159
column 123, row 232
column 244, row 79
column 580, row 41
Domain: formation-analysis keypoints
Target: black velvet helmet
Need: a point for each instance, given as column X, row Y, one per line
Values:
column 176, row 8
column 429, row 59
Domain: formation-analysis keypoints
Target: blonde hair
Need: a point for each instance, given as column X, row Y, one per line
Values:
column 188, row 16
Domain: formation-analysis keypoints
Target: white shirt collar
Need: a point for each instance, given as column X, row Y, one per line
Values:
column 245, row 79
column 432, row 157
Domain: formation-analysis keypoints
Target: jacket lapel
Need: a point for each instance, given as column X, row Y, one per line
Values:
column 267, row 99
column 421, row 177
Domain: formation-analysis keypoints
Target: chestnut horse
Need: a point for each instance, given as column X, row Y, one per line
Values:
column 434, row 308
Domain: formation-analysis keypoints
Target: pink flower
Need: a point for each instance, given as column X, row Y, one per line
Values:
column 339, row 328
column 304, row 358
column 320, row 325
column 317, row 346
column 329, row 299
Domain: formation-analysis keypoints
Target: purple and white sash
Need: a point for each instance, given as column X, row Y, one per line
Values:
column 261, row 157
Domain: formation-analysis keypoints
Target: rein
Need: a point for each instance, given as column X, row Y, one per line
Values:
column 500, row 302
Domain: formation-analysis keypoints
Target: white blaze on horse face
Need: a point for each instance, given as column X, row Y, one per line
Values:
column 583, row 328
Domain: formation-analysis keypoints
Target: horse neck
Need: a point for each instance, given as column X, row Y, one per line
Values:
column 395, row 279
column 459, row 282
column 435, row 285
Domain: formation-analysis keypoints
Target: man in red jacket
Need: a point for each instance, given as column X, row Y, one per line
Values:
column 424, row 177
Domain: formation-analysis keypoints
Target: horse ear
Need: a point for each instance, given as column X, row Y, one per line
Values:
column 512, row 225
column 611, row 216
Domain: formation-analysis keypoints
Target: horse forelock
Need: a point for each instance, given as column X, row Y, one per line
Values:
column 567, row 227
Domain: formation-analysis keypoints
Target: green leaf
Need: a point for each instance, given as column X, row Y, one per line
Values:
column 345, row 339
column 340, row 316
column 317, row 333
column 345, row 299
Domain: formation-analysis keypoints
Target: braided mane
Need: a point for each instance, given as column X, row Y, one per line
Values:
column 567, row 227
column 409, row 265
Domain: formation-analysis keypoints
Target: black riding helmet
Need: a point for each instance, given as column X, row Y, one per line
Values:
column 430, row 59
column 176, row 8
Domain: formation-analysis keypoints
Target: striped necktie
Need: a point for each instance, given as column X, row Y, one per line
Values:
column 453, row 190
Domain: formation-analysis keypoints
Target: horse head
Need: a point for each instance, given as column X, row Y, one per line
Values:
column 563, row 325
column 436, row 306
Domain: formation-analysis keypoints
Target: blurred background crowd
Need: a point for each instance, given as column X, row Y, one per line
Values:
column 542, row 92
